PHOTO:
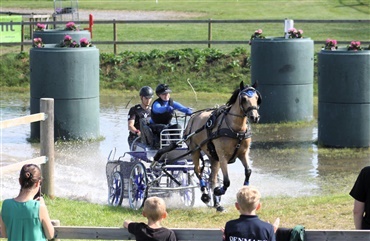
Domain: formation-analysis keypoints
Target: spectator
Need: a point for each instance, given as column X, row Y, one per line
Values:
column 155, row 211
column 248, row 226
column 26, row 216
column 361, row 193
column 138, row 112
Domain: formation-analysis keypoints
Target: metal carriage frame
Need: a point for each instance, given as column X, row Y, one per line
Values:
column 141, row 176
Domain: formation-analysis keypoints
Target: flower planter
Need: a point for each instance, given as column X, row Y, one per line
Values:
column 56, row 36
column 283, row 69
column 344, row 98
column 71, row 77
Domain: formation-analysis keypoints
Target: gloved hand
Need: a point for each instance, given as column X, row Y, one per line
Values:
column 189, row 112
column 170, row 109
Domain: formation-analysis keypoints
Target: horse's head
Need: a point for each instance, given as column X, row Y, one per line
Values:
column 249, row 101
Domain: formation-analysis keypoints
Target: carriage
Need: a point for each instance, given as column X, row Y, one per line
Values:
column 137, row 174
column 183, row 159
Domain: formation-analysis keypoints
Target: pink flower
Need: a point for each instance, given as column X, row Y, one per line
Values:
column 354, row 45
column 71, row 26
column 67, row 38
column 84, row 40
column 37, row 43
column 258, row 31
column 41, row 26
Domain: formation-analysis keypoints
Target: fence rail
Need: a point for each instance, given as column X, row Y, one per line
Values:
column 209, row 42
column 46, row 117
column 188, row 234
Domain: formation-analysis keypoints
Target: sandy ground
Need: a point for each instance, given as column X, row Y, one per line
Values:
column 112, row 14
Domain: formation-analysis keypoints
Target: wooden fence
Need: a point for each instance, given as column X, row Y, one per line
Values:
column 189, row 234
column 209, row 22
column 46, row 118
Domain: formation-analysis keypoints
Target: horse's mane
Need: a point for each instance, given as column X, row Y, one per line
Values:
column 233, row 97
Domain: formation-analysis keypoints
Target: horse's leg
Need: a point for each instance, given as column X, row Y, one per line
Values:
column 196, row 155
column 215, row 167
column 247, row 171
column 226, row 183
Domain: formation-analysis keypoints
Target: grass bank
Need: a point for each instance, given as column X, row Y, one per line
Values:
column 324, row 212
column 207, row 70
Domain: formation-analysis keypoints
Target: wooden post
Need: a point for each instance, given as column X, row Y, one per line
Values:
column 209, row 32
column 56, row 223
column 114, row 36
column 22, row 36
column 47, row 145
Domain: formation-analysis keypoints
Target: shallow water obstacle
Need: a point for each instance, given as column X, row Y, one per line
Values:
column 344, row 98
column 71, row 77
column 283, row 69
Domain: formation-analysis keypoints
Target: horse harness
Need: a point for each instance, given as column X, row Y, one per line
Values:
column 223, row 132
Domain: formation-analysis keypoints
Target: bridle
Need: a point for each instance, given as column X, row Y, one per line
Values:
column 249, row 92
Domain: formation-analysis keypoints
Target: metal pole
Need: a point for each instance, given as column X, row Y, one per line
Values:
column 47, row 145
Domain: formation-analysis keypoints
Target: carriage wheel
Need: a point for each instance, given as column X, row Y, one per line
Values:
column 134, row 143
column 137, row 187
column 115, row 192
column 187, row 195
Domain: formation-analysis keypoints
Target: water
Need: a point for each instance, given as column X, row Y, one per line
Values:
column 285, row 161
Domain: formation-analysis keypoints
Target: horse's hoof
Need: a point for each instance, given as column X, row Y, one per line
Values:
column 205, row 198
column 218, row 191
column 220, row 209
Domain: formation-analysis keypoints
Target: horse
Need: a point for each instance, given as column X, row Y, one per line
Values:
column 223, row 134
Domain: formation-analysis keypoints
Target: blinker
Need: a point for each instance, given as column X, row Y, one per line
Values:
column 249, row 92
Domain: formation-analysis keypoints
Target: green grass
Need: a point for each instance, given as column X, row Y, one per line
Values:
column 325, row 212
column 236, row 9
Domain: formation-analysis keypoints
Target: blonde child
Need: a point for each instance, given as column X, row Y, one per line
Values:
column 155, row 211
column 248, row 226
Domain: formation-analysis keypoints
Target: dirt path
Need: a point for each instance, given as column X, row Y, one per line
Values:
column 113, row 14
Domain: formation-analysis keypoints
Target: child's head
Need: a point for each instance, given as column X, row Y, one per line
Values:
column 154, row 208
column 248, row 199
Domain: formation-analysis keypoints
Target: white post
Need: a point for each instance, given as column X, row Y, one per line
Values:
column 288, row 24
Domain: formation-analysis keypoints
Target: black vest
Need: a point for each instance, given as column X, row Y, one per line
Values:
column 161, row 118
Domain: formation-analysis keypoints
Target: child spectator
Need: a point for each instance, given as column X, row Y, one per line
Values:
column 248, row 226
column 155, row 211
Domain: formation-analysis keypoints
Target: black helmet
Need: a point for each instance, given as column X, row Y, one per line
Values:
column 162, row 89
column 147, row 92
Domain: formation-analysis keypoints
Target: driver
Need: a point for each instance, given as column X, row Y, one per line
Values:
column 139, row 111
column 163, row 109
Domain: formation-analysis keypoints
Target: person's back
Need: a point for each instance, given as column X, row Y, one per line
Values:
column 26, row 217
column 22, row 220
column 248, row 226
column 361, row 193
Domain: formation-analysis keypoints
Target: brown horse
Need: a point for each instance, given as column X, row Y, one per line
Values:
column 223, row 134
